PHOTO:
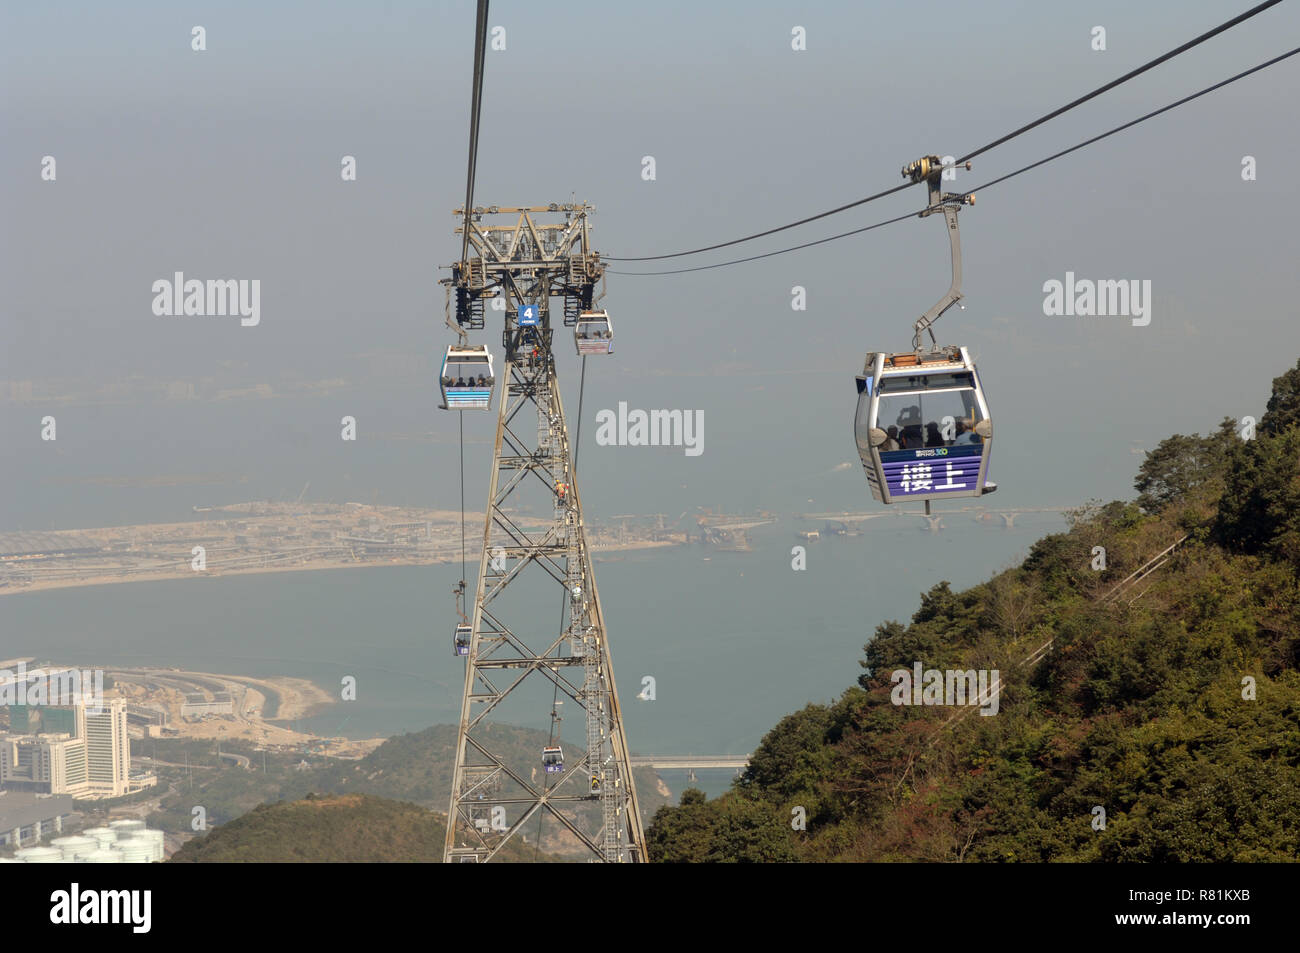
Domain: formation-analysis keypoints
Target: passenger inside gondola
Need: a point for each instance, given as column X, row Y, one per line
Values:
column 951, row 415
column 910, row 432
column 466, row 378
column 892, row 442
column 966, row 436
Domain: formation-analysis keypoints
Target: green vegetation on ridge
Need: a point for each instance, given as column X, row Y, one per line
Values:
column 1142, row 706
column 339, row 829
column 414, row 767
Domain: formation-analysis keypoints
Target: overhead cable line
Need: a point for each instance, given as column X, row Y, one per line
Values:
column 770, row 231
column 1009, row 175
column 475, row 109
column 476, row 104
column 738, row 261
column 1150, row 115
column 1132, row 74
column 1210, row 34
column 461, row 414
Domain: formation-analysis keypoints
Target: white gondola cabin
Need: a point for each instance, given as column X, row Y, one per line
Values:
column 467, row 378
column 593, row 333
column 553, row 759
column 922, row 426
column 461, row 643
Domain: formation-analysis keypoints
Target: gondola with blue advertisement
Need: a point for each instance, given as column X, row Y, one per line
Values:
column 922, row 426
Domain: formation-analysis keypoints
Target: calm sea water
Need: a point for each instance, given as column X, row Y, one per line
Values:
column 734, row 641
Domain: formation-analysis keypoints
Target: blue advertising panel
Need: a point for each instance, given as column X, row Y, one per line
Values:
column 931, row 472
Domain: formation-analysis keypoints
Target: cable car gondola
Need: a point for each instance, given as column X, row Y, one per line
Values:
column 467, row 378
column 593, row 333
column 923, row 428
column 461, row 643
column 464, row 632
column 553, row 759
column 922, row 425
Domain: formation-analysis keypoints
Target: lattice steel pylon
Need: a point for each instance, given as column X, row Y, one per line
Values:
column 525, row 657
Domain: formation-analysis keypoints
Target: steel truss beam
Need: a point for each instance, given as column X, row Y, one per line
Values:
column 516, row 651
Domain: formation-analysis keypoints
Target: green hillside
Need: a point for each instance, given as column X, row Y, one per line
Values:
column 410, row 767
column 336, row 829
column 413, row 767
column 1171, row 702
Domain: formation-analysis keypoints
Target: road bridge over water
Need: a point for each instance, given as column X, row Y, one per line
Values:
column 980, row 514
column 693, row 762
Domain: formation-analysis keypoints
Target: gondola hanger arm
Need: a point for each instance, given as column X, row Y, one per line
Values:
column 930, row 169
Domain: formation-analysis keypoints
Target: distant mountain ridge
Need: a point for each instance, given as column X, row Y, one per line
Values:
column 414, row 768
column 333, row 829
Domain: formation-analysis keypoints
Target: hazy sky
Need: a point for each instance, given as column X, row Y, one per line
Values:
column 225, row 163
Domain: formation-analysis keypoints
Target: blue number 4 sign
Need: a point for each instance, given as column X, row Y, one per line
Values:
column 529, row 315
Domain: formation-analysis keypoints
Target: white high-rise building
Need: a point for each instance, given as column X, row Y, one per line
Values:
column 68, row 769
column 108, row 750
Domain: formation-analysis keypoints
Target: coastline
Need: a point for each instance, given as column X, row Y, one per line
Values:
column 322, row 564
column 263, row 709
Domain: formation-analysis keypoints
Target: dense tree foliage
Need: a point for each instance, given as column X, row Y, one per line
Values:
column 1283, row 410
column 1180, row 464
column 1159, row 725
column 1260, row 509
column 736, row 830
